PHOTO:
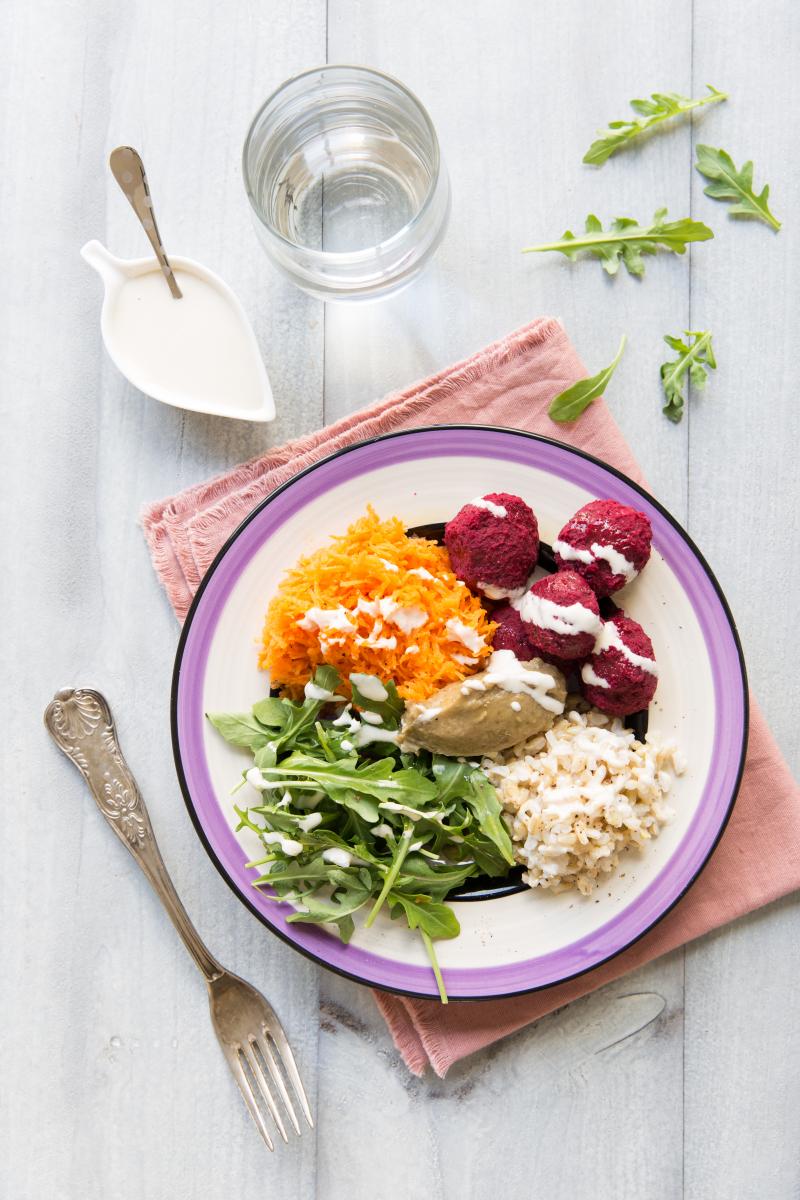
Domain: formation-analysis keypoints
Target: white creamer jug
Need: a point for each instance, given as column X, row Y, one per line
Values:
column 198, row 352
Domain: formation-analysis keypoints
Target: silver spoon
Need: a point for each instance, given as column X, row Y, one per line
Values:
column 128, row 170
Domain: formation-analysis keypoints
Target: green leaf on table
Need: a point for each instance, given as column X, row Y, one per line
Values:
column 241, row 729
column 728, row 183
column 627, row 241
column 662, row 106
column 695, row 359
column 569, row 404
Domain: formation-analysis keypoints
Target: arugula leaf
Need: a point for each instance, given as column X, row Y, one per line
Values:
column 626, row 241
column 696, row 359
column 271, row 711
column 344, row 901
column 241, row 729
column 728, row 183
column 662, row 106
column 391, row 709
column 569, row 404
column 380, row 778
column 482, row 799
column 433, row 921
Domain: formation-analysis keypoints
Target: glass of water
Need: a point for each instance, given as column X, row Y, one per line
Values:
column 349, row 193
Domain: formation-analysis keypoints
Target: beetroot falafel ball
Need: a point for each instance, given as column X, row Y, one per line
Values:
column 621, row 675
column 561, row 616
column 605, row 542
column 512, row 633
column 493, row 543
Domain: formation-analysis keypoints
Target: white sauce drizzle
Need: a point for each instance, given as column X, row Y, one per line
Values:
column 288, row 845
column 314, row 692
column 368, row 733
column 412, row 649
column 516, row 706
column 618, row 563
column 383, row 831
column 497, row 510
column 310, row 822
column 465, row 659
column 465, row 634
column 473, row 685
column 408, row 618
column 256, row 779
column 369, row 687
column 507, row 672
column 390, row 566
column 427, row 714
column 372, row 718
column 327, row 618
column 590, row 677
column 337, row 856
column 560, row 618
column 493, row 592
column 423, row 573
column 610, row 636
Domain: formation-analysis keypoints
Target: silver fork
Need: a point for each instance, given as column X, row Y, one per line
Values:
column 250, row 1034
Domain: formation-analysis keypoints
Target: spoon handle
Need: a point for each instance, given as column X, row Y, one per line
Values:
column 80, row 723
column 128, row 170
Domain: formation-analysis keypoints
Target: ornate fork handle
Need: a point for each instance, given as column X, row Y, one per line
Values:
column 80, row 723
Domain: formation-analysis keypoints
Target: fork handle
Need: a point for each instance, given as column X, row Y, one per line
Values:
column 79, row 721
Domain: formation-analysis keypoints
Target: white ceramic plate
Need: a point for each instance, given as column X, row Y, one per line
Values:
column 532, row 939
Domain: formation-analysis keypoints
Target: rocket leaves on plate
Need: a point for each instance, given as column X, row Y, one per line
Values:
column 626, row 241
column 569, row 404
column 728, row 183
column 348, row 827
column 695, row 359
column 662, row 106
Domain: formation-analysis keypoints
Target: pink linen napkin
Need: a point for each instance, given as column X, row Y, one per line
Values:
column 509, row 383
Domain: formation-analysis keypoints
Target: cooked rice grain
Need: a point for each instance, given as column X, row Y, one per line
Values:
column 579, row 795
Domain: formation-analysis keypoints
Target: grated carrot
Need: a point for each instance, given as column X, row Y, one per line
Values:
column 375, row 561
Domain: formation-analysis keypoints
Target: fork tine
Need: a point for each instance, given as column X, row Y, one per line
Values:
column 263, row 1083
column 277, row 1035
column 245, row 1088
column 269, row 1059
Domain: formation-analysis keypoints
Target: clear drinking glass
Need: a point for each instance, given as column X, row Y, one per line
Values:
column 348, row 189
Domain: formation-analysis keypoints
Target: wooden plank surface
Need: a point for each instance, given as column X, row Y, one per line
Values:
column 681, row 1080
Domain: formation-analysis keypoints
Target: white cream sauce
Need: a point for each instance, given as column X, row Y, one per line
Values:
column 497, row 510
column 337, row 856
column 310, row 822
column 611, row 637
column 369, row 687
column 465, row 634
column 327, row 618
column 492, row 592
column 288, row 845
column 618, row 563
column 590, row 677
column 560, row 618
column 197, row 346
column 372, row 718
column 506, row 671
column 369, row 733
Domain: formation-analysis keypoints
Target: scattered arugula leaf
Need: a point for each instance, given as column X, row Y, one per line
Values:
column 569, row 404
column 626, row 241
column 728, row 183
column 344, row 826
column 662, row 106
column 695, row 359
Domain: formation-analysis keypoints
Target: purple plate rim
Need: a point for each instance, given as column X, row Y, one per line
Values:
column 585, row 954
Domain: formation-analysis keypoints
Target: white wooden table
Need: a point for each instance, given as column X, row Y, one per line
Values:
column 112, row 1085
